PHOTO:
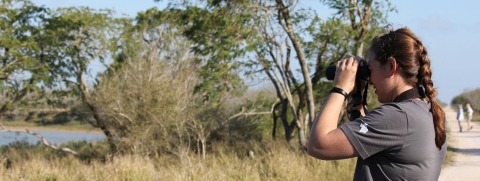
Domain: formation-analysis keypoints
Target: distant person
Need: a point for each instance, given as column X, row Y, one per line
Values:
column 469, row 115
column 404, row 138
column 460, row 117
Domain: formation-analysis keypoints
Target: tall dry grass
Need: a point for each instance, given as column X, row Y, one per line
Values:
column 276, row 163
column 450, row 157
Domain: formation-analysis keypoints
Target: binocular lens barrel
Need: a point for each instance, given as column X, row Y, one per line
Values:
column 330, row 72
column 362, row 72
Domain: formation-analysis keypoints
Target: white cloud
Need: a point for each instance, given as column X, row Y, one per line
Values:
column 436, row 23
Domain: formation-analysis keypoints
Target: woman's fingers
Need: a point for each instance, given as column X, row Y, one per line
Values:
column 346, row 73
column 348, row 63
column 354, row 61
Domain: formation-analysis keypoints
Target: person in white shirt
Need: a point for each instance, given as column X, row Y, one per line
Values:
column 469, row 115
column 460, row 116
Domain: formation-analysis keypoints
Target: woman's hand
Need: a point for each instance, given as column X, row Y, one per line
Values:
column 345, row 73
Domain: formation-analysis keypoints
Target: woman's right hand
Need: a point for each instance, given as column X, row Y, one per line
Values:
column 345, row 73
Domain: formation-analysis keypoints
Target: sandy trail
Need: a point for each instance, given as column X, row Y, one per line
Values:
column 466, row 146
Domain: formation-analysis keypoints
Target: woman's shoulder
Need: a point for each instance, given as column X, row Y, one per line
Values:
column 411, row 103
column 404, row 107
column 387, row 111
column 401, row 105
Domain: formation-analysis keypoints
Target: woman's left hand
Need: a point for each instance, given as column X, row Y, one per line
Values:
column 345, row 73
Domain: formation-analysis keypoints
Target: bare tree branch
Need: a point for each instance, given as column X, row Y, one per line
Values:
column 243, row 113
column 44, row 141
column 70, row 82
column 160, row 33
column 144, row 37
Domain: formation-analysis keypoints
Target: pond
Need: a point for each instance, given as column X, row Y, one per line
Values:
column 51, row 136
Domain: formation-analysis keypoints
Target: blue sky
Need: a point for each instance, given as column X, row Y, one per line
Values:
column 449, row 29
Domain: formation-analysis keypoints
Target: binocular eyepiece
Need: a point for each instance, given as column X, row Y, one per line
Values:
column 362, row 72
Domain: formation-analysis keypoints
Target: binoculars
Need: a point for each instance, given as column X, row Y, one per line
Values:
column 362, row 72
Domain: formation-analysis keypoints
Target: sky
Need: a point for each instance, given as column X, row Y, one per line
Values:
column 450, row 30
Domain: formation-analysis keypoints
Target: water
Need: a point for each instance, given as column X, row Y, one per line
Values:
column 51, row 136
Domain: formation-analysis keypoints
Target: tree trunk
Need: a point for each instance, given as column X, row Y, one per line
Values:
column 286, row 126
column 274, row 129
column 96, row 116
column 360, row 49
column 198, row 146
column 204, row 149
column 288, row 27
column 302, row 130
column 103, row 127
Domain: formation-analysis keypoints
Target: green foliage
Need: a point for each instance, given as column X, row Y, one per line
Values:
column 83, row 35
column 459, row 100
column 21, row 54
column 372, row 99
column 49, row 49
column 216, row 62
column 219, row 34
column 472, row 97
column 379, row 9
column 66, row 41
column 330, row 39
column 159, row 30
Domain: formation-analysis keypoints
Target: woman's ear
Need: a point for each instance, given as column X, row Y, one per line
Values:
column 392, row 63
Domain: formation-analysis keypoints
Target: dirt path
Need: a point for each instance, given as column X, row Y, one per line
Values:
column 466, row 146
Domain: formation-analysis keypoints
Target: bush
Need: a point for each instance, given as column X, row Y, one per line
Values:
column 460, row 99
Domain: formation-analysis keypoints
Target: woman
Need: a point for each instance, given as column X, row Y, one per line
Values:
column 405, row 138
column 460, row 117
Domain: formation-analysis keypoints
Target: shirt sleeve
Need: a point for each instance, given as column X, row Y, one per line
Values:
column 382, row 129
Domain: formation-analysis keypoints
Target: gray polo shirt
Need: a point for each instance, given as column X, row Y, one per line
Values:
column 396, row 141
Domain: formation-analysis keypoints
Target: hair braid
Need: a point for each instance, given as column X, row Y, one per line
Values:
column 425, row 77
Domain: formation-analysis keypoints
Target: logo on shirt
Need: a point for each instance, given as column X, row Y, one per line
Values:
column 363, row 128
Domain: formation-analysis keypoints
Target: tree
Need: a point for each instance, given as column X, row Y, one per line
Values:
column 147, row 93
column 44, row 49
column 459, row 100
column 471, row 96
column 21, row 68
column 362, row 15
column 74, row 38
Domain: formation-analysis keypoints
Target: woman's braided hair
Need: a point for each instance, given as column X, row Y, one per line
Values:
column 412, row 57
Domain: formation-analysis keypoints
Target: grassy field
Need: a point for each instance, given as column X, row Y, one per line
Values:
column 273, row 161
column 450, row 151
column 277, row 162
column 476, row 117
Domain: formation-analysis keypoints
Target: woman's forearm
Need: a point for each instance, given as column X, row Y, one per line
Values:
column 325, row 122
column 326, row 141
